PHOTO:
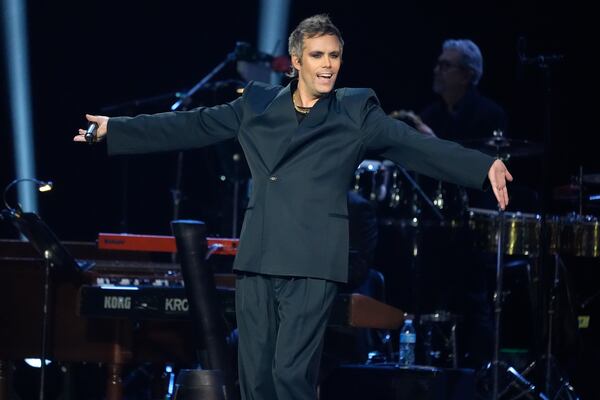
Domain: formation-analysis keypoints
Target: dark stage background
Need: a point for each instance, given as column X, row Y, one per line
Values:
column 88, row 56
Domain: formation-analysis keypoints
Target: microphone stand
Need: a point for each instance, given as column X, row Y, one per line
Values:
column 548, row 278
column 181, row 104
column 139, row 102
column 515, row 383
column 544, row 67
column 45, row 307
column 498, row 304
column 184, row 98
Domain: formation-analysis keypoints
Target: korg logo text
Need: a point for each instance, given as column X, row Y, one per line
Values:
column 176, row 304
column 117, row 302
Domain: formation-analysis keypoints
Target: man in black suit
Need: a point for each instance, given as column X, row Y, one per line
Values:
column 302, row 142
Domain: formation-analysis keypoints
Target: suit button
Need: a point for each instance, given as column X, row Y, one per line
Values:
column 273, row 178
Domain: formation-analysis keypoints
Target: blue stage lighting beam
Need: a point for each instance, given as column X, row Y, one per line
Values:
column 272, row 30
column 17, row 67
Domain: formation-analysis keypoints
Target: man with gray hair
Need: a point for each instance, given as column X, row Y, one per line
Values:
column 461, row 112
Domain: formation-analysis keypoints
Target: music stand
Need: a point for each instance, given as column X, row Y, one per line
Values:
column 44, row 241
column 47, row 244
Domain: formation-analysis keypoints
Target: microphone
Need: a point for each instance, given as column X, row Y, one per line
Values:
column 90, row 133
column 540, row 59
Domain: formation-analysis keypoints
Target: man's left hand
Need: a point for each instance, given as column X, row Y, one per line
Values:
column 498, row 175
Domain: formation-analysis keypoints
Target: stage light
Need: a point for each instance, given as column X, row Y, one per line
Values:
column 35, row 362
column 42, row 186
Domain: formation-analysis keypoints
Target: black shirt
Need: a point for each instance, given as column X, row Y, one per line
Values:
column 474, row 116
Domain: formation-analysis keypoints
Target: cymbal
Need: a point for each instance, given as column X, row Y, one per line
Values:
column 505, row 147
column 572, row 192
column 566, row 192
column 593, row 179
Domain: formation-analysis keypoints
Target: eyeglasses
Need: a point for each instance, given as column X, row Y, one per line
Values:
column 445, row 65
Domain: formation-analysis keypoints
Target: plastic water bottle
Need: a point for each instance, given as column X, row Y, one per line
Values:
column 408, row 340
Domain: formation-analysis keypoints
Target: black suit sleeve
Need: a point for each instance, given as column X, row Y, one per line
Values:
column 437, row 158
column 174, row 130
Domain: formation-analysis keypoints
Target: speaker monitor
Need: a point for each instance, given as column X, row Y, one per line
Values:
column 388, row 382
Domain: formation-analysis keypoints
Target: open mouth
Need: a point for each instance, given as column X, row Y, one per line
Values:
column 325, row 76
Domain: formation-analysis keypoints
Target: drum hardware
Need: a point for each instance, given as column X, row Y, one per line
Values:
column 563, row 384
column 395, row 191
column 521, row 230
column 590, row 299
column 543, row 62
column 514, row 378
column 504, row 148
column 401, row 196
column 568, row 192
column 439, row 326
column 420, row 192
column 575, row 235
column 377, row 176
column 592, row 179
column 578, row 235
column 577, row 192
column 551, row 369
column 373, row 175
column 438, row 199
column 498, row 305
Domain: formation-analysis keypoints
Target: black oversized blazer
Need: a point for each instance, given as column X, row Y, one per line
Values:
column 296, row 223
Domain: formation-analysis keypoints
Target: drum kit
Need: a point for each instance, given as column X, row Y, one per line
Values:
column 398, row 195
column 401, row 200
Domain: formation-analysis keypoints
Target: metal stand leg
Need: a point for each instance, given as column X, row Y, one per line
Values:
column 516, row 385
column 454, row 346
column 551, row 305
column 45, row 323
column 563, row 386
column 498, row 304
column 514, row 380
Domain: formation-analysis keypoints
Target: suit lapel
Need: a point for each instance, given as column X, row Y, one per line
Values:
column 306, row 129
column 283, row 105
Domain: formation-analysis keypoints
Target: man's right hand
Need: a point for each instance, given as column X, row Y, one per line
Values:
column 413, row 118
column 102, row 122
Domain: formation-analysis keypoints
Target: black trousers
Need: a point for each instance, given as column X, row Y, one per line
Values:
column 281, row 323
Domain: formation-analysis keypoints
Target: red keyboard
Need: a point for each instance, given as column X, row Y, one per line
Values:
column 161, row 244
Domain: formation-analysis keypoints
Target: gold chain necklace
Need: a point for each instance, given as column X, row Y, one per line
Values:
column 300, row 109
